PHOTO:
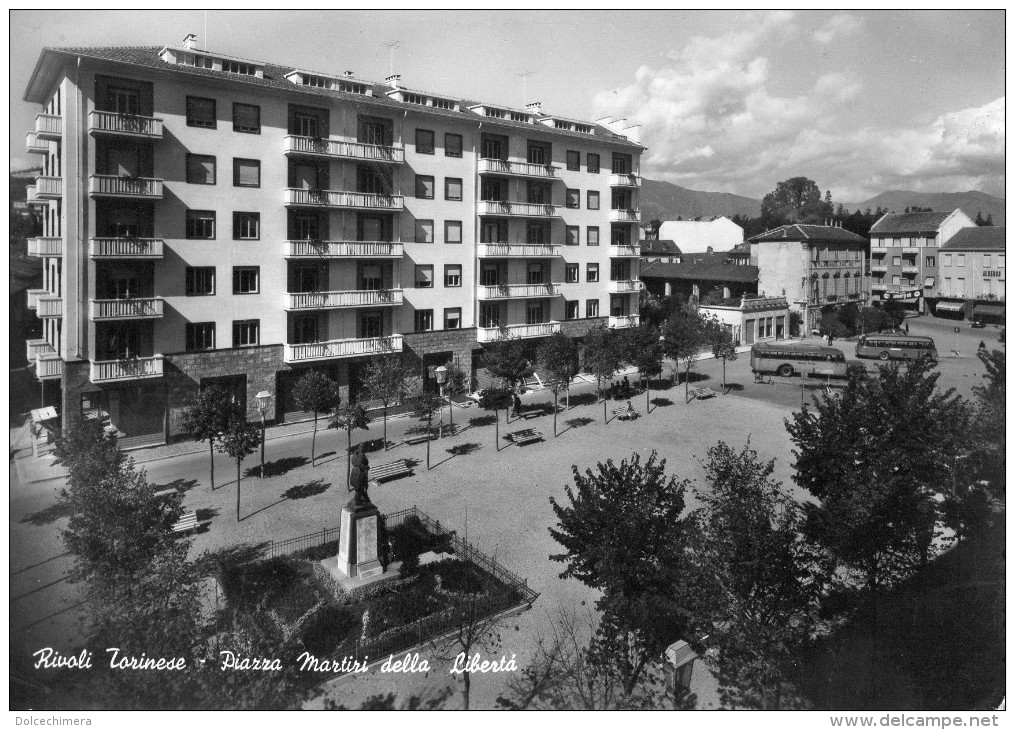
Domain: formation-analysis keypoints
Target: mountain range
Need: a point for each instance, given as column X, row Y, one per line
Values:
column 667, row 201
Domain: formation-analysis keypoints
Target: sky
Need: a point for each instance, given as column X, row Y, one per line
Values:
column 860, row 101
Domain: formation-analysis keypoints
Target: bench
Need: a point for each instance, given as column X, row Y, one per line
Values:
column 525, row 436
column 419, row 439
column 703, row 393
column 529, row 414
column 396, row 468
column 186, row 523
column 624, row 415
column 165, row 493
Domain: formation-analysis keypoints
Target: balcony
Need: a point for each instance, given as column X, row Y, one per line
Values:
column 35, row 145
column 624, row 321
column 49, row 188
column 37, row 347
column 491, row 166
column 48, row 246
column 910, row 269
column 48, row 366
column 627, row 180
column 516, row 331
column 878, row 252
column 49, row 306
column 31, row 196
column 312, row 147
column 343, row 249
column 330, row 349
column 625, row 215
column 342, row 299
column 342, row 199
column 881, row 268
column 124, row 125
column 879, row 287
column 125, row 248
column 114, row 186
column 624, row 286
column 528, row 210
column 48, row 126
column 626, row 251
column 131, row 368
column 910, row 250
column 525, row 250
column 33, row 297
column 518, row 291
column 136, row 308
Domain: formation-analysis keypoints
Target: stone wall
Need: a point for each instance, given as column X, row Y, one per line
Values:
column 581, row 327
column 460, row 343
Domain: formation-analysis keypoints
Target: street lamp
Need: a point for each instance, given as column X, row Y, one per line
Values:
column 662, row 357
column 263, row 398
column 441, row 373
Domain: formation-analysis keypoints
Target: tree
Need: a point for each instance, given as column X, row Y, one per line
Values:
column 989, row 456
column 601, row 357
column 895, row 312
column 559, row 355
column 720, row 340
column 645, row 352
column 318, row 393
column 683, row 337
column 348, row 418
column 424, row 402
column 797, row 198
column 990, row 220
column 979, row 219
column 240, row 439
column 383, row 379
column 495, row 399
column 474, row 626
column 507, row 359
column 207, row 417
column 875, row 457
column 652, row 229
column 757, row 585
column 457, row 383
column 624, row 534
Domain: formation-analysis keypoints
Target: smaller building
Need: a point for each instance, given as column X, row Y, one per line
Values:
column 972, row 274
column 751, row 319
column 659, row 251
column 714, row 276
column 719, row 234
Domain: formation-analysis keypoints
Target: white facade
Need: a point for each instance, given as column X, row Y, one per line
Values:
column 721, row 234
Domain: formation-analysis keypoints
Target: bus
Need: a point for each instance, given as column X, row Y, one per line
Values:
column 792, row 358
column 895, row 347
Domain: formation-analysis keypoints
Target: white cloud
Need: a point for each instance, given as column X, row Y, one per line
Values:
column 838, row 26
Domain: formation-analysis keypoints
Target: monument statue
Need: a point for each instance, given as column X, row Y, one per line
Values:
column 359, row 477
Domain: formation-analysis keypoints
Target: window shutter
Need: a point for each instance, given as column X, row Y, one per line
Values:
column 202, row 111
column 247, row 117
column 248, row 173
column 424, row 275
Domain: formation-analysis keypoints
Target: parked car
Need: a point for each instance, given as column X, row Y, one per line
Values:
column 979, row 324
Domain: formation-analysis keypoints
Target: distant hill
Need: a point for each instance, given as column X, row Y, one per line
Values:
column 666, row 201
column 970, row 202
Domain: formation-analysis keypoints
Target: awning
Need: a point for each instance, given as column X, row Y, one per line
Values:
column 989, row 310
column 929, row 281
column 951, row 307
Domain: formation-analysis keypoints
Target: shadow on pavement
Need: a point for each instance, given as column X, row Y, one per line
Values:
column 180, row 485
column 464, row 449
column 49, row 515
column 310, row 489
column 657, row 402
column 278, row 467
column 232, row 555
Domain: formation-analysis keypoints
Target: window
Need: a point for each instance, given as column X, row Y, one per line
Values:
column 246, row 226
column 246, row 279
column 453, row 318
column 571, row 273
column 452, row 188
column 246, row 333
column 592, row 272
column 593, row 203
column 986, row 260
column 1000, row 261
column 489, row 274
column 306, row 125
column 424, row 186
column 370, row 324
column 572, row 198
column 247, row 118
column 574, row 160
column 489, row 315
column 424, row 141
column 200, row 112
column 305, row 329
column 592, row 162
column 423, row 320
column 371, row 277
column 536, row 232
column 452, row 145
column 534, row 272
column 424, row 231
column 961, row 284
column 571, row 310
column 201, row 224
column 201, row 169
column 896, row 261
column 538, row 192
column 621, row 164
column 236, row 67
column 896, row 279
column 591, row 307
column 539, row 153
column 424, row 276
column 452, row 274
column 246, row 173
column 452, row 231
column 592, row 236
column 534, row 313
column 571, row 236
column 961, row 259
column 200, row 336
column 200, row 281
column 930, row 261
column 947, row 259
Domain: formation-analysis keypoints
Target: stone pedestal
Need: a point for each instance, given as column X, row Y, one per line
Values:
column 359, row 542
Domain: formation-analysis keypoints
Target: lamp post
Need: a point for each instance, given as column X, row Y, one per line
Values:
column 263, row 398
column 441, row 373
column 662, row 357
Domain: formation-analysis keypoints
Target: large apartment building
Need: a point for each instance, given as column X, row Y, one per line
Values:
column 216, row 219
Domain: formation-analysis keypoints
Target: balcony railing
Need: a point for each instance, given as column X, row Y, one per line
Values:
column 340, row 299
column 49, row 188
column 512, row 331
column 130, row 125
column 48, row 366
column 33, row 297
column 35, row 145
column 879, row 287
column 46, row 246
column 49, row 306
column 507, row 250
column 342, row 249
column 48, row 126
column 37, row 347
column 624, row 321
column 625, row 180
column 911, row 249
column 352, row 150
column 625, row 251
column 131, row 368
column 879, row 267
column 342, row 348
column 31, row 195
column 529, row 210
column 518, row 291
column 624, row 286
column 910, row 269
column 625, row 215
column 489, row 165
column 115, row 186
column 136, row 308
column 342, row 199
column 126, row 248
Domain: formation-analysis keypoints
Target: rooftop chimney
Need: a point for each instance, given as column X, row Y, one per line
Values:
column 190, row 42
column 536, row 107
column 633, row 133
column 347, row 74
column 394, row 81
